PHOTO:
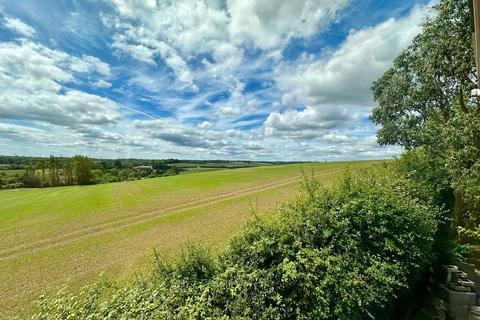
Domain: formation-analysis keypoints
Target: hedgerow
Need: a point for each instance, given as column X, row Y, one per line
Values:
column 339, row 253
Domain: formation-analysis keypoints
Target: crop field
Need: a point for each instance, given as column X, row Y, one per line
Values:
column 12, row 172
column 71, row 236
column 192, row 167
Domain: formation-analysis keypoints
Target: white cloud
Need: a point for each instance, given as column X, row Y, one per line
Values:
column 181, row 135
column 176, row 31
column 19, row 26
column 152, row 82
column 190, row 138
column 69, row 109
column 346, row 76
column 338, row 138
column 33, row 82
column 28, row 66
column 102, row 84
column 328, row 87
column 89, row 64
column 188, row 26
column 338, row 148
column 142, row 45
column 205, row 125
column 307, row 123
column 269, row 24
column 18, row 133
column 229, row 111
column 137, row 51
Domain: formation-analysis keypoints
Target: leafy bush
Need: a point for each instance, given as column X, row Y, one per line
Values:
column 449, row 163
column 343, row 253
column 10, row 181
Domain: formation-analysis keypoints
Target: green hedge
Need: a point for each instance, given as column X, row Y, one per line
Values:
column 342, row 253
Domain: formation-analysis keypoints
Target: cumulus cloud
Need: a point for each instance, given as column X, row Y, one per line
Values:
column 269, row 24
column 69, row 109
column 89, row 64
column 172, row 32
column 19, row 26
column 190, row 26
column 176, row 31
column 181, row 135
column 206, row 125
column 229, row 111
column 338, row 138
column 102, row 84
column 202, row 137
column 32, row 87
column 328, row 87
column 346, row 76
column 18, row 133
column 335, row 147
column 307, row 123
column 143, row 46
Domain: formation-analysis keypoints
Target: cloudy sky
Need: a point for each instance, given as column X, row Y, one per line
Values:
column 206, row 79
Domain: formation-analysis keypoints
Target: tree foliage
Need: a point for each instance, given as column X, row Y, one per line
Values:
column 453, row 149
column 82, row 169
column 435, row 71
column 423, row 104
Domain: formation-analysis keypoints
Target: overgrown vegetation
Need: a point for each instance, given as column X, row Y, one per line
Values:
column 425, row 106
column 341, row 253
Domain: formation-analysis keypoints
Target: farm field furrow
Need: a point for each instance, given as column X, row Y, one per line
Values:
column 126, row 221
column 75, row 235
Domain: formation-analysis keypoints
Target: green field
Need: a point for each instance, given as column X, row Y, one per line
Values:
column 72, row 236
column 12, row 172
column 192, row 167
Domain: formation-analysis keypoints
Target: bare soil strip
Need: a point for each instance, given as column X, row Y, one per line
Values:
column 111, row 226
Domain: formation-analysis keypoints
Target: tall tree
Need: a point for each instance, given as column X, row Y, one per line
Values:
column 423, row 104
column 68, row 172
column 30, row 179
column 82, row 169
column 436, row 70
column 42, row 167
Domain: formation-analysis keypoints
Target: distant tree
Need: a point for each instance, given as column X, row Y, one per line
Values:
column 172, row 171
column 160, row 166
column 82, row 169
column 68, row 172
column 29, row 179
column 4, row 180
column 117, row 164
column 42, row 168
column 54, row 168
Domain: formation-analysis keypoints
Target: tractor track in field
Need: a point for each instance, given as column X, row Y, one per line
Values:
column 111, row 226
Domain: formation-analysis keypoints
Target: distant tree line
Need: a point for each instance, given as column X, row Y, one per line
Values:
column 20, row 162
column 37, row 172
column 78, row 170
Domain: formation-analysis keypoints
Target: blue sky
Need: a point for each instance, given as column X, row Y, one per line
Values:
column 207, row 79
